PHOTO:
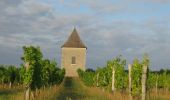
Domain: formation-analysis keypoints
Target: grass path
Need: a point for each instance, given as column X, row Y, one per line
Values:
column 73, row 89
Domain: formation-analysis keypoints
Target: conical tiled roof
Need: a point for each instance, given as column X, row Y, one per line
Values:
column 74, row 41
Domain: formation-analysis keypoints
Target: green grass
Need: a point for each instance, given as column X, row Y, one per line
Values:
column 11, row 94
column 73, row 89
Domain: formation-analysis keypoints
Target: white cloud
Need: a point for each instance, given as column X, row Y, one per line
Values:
column 37, row 23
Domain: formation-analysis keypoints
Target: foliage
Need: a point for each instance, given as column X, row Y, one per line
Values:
column 9, row 74
column 3, row 74
column 137, row 69
column 119, row 65
column 152, row 80
column 34, row 72
column 103, row 76
column 12, row 73
column 38, row 72
column 22, row 72
column 32, row 58
column 136, row 77
column 50, row 73
column 87, row 77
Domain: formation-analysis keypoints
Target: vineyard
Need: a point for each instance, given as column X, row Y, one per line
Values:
column 34, row 74
column 41, row 79
column 115, row 78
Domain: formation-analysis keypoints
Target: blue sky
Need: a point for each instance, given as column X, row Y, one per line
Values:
column 108, row 28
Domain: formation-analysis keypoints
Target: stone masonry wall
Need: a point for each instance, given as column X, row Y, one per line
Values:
column 67, row 54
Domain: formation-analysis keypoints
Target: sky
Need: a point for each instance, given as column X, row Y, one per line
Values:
column 109, row 28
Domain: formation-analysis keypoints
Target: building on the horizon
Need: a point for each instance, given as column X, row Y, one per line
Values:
column 73, row 55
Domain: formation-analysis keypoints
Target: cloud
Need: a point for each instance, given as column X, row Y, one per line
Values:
column 24, row 22
column 121, row 38
column 149, row 1
column 95, row 6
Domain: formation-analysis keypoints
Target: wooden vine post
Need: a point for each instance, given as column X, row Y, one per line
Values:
column 113, row 79
column 27, row 92
column 130, row 81
column 144, row 78
column 97, row 79
column 156, row 84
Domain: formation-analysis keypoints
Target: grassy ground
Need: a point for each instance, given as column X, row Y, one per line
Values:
column 74, row 89
column 11, row 94
column 161, row 95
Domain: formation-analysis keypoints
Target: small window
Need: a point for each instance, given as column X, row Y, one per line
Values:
column 73, row 60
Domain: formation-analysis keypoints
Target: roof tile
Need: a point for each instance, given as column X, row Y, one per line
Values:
column 74, row 40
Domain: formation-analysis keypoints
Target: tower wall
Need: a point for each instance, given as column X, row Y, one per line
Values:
column 66, row 60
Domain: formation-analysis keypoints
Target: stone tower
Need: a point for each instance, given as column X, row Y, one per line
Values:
column 73, row 55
